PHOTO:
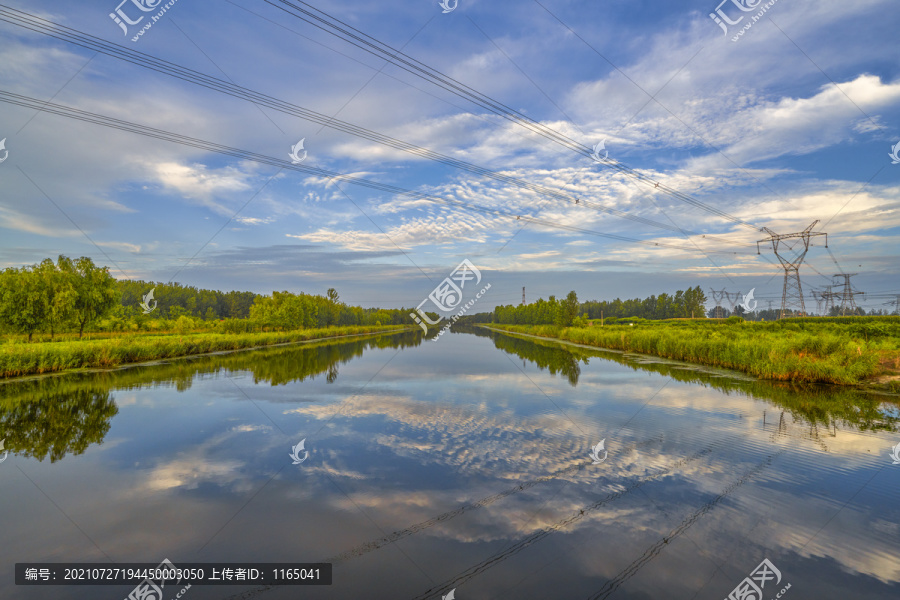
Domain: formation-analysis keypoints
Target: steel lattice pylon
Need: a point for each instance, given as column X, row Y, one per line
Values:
column 824, row 298
column 734, row 301
column 846, row 295
column 797, row 243
column 717, row 298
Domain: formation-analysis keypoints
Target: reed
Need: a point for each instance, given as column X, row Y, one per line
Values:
column 825, row 352
column 18, row 358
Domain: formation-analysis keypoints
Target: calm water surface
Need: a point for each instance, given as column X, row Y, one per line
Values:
column 462, row 463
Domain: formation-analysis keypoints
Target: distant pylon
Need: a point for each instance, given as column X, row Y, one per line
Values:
column 717, row 298
column 828, row 297
column 792, row 292
column 523, row 295
column 817, row 297
column 823, row 299
column 895, row 304
column 733, row 301
column 847, row 294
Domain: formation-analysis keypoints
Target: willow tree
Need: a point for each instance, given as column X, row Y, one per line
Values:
column 94, row 289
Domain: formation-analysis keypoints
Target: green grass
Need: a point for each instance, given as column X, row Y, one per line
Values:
column 18, row 358
column 841, row 351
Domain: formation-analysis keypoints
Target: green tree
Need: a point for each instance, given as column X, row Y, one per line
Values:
column 94, row 288
column 59, row 294
column 23, row 302
column 567, row 310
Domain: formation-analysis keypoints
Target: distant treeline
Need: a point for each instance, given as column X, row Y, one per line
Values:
column 542, row 312
column 173, row 300
column 78, row 296
column 683, row 305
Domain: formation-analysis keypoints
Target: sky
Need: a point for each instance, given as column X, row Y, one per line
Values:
column 792, row 121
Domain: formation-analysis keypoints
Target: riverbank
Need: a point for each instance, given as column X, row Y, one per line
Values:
column 845, row 353
column 18, row 359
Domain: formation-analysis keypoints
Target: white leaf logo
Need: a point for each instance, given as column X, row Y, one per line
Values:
column 5, row 151
column 896, row 454
column 295, row 153
column 597, row 149
column 146, row 303
column 445, row 4
column 450, row 596
column 596, row 450
column 295, row 452
column 746, row 301
column 6, row 452
column 895, row 153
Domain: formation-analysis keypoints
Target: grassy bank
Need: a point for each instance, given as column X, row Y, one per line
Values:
column 18, row 358
column 802, row 350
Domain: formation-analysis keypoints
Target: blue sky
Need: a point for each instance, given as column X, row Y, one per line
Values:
column 791, row 123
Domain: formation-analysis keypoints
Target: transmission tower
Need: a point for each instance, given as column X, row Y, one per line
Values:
column 791, row 249
column 824, row 299
column 828, row 297
column 717, row 298
column 734, row 301
column 847, row 294
column 895, row 304
column 523, row 295
column 818, row 297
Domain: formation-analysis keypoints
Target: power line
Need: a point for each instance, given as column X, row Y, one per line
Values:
column 87, row 41
column 334, row 26
column 81, row 115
